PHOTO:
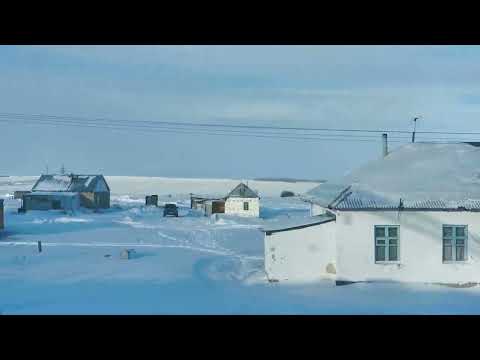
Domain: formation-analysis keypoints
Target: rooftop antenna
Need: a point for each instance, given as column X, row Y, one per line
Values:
column 46, row 168
column 414, row 128
column 62, row 169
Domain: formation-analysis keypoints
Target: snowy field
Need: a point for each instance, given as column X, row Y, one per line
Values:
column 186, row 265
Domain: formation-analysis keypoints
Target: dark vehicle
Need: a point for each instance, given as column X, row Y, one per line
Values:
column 170, row 210
column 287, row 193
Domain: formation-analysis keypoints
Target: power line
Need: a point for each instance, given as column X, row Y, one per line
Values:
column 245, row 132
column 203, row 124
column 197, row 132
column 226, row 129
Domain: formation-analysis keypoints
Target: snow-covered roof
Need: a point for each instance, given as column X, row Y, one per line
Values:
column 422, row 175
column 296, row 223
column 70, row 182
column 242, row 191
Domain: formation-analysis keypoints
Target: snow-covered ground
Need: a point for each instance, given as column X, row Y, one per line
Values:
column 186, row 265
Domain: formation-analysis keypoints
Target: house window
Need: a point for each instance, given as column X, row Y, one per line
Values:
column 245, row 206
column 56, row 204
column 386, row 243
column 454, row 242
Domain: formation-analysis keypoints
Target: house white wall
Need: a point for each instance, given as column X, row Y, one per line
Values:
column 234, row 206
column 301, row 255
column 420, row 246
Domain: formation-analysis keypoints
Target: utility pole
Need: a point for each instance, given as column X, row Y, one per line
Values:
column 385, row 144
column 62, row 170
column 414, row 128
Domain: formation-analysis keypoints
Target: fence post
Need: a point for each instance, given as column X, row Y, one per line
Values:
column 39, row 246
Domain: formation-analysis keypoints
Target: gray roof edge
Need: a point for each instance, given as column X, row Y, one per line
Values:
column 322, row 219
column 236, row 187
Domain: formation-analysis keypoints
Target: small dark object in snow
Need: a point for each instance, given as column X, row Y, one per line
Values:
column 39, row 246
column 287, row 193
column 127, row 254
column 459, row 285
column 151, row 200
column 107, row 255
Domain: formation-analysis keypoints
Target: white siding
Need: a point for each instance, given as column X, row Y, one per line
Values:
column 300, row 255
column 234, row 206
column 420, row 247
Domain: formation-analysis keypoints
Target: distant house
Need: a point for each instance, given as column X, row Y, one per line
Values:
column 2, row 221
column 242, row 201
column 412, row 216
column 68, row 192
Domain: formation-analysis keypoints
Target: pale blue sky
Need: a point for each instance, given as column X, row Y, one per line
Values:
column 318, row 86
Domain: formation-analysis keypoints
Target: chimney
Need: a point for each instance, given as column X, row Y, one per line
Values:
column 385, row 144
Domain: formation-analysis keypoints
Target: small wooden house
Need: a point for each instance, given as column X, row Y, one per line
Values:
column 209, row 205
column 60, row 191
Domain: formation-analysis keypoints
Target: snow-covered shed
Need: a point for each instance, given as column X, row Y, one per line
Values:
column 242, row 201
column 93, row 190
column 412, row 216
column 214, row 207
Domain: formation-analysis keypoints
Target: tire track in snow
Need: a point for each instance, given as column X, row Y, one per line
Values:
column 223, row 252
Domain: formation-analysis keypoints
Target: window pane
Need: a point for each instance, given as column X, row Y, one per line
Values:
column 379, row 253
column 447, row 231
column 392, row 241
column 460, row 231
column 447, row 253
column 379, row 231
column 460, row 253
column 380, row 241
column 392, row 231
column 460, row 241
column 392, row 253
column 447, row 242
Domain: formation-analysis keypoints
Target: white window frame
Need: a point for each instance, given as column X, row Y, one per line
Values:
column 454, row 246
column 387, row 245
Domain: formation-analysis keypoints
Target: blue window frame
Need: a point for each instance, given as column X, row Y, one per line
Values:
column 387, row 243
column 454, row 240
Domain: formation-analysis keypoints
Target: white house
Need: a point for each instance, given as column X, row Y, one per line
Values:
column 242, row 201
column 413, row 216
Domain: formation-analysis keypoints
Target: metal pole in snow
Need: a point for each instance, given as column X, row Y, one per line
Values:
column 414, row 129
column 39, row 246
column 385, row 144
